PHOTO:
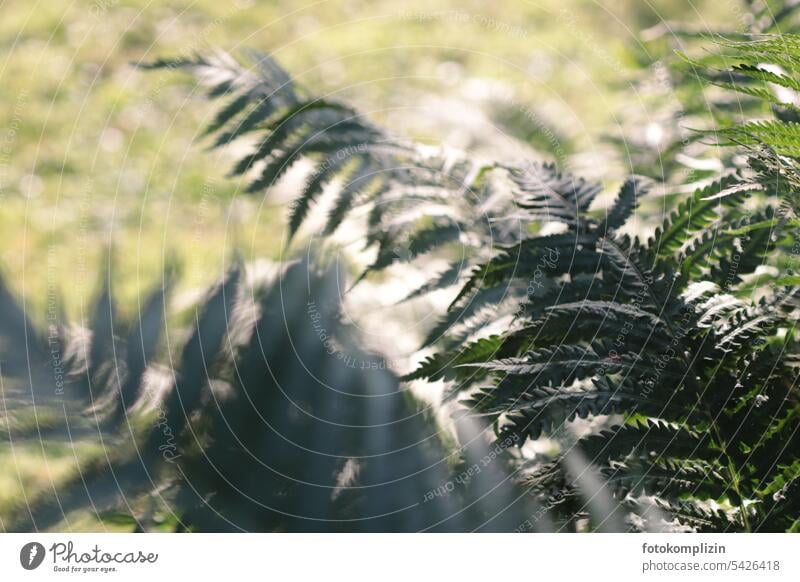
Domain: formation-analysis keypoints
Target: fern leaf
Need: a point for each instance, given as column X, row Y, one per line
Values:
column 552, row 196
column 627, row 201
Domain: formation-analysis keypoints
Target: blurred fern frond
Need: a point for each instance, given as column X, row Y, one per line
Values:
column 272, row 419
column 410, row 200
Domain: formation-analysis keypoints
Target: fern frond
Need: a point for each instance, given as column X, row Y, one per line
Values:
column 691, row 217
column 549, row 195
column 781, row 136
column 626, row 202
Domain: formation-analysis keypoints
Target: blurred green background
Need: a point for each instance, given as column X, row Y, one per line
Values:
column 95, row 154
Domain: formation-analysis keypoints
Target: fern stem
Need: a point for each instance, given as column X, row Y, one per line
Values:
column 734, row 473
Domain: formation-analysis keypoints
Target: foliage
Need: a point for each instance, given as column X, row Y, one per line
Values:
column 416, row 200
column 272, row 419
column 684, row 340
column 665, row 337
column 662, row 141
column 663, row 370
column 678, row 348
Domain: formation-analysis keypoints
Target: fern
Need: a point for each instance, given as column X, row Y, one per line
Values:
column 263, row 425
column 625, row 336
column 373, row 169
column 666, row 366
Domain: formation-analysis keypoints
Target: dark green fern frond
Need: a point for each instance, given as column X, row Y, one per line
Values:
column 377, row 171
column 256, row 92
column 691, row 217
column 549, row 195
column 356, row 182
column 627, row 200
